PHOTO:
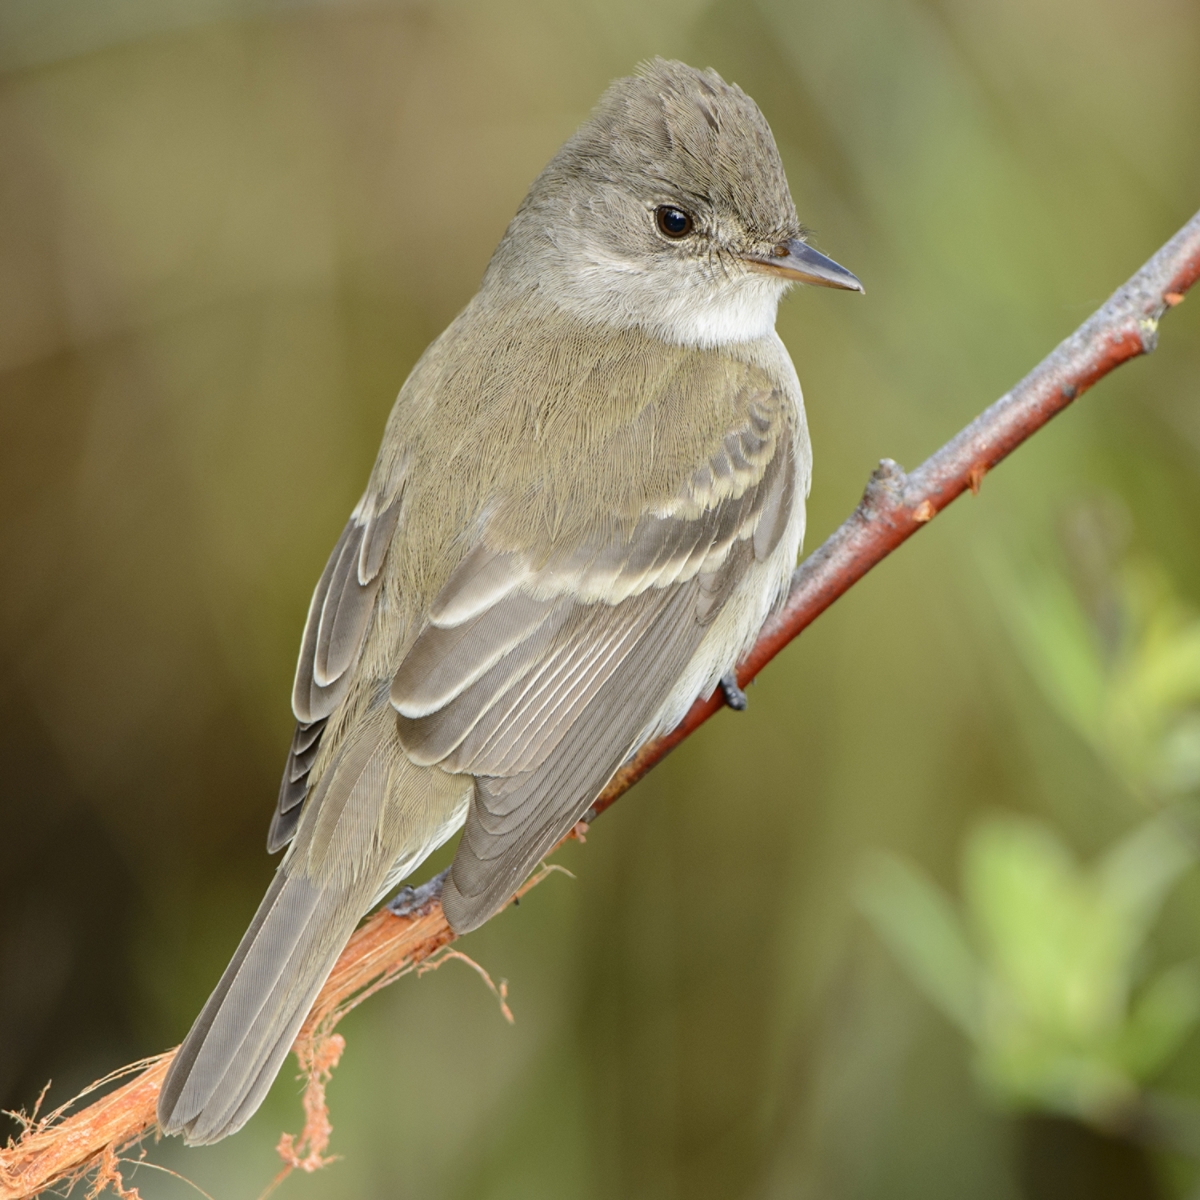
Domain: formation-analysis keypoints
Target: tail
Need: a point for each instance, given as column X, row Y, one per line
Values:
column 371, row 818
column 229, row 1060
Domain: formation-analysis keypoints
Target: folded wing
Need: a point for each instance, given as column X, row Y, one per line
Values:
column 540, row 671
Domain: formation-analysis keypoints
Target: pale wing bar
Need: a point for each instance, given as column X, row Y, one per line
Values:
column 494, row 695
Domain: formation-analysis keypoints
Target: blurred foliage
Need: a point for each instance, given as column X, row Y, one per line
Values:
column 227, row 229
column 1118, row 657
column 1044, row 969
column 1040, row 970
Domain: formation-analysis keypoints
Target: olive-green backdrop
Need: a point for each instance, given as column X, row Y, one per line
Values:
column 227, row 230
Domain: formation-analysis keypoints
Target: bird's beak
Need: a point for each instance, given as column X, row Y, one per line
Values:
column 798, row 260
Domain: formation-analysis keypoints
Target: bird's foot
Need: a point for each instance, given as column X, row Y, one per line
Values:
column 413, row 901
column 734, row 696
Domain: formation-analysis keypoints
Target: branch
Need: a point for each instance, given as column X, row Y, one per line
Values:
column 894, row 506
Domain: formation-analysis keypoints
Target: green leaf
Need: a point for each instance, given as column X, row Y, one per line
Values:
column 1177, row 770
column 1136, row 875
column 1056, row 641
column 1163, row 1016
column 1047, row 948
column 919, row 924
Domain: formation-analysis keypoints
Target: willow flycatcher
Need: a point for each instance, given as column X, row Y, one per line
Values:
column 589, row 496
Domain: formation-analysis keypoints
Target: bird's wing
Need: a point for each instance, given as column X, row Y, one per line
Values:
column 338, row 616
column 538, row 671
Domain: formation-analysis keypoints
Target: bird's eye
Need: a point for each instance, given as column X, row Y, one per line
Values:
column 672, row 221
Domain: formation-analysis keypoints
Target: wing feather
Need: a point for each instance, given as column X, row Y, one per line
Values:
column 513, row 822
column 540, row 670
column 449, row 659
column 338, row 617
column 525, row 723
column 341, row 613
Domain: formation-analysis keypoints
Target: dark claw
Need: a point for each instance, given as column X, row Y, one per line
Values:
column 410, row 901
column 734, row 696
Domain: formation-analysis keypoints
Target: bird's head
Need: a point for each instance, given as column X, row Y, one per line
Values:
column 667, row 210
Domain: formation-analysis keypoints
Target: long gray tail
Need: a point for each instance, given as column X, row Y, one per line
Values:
column 230, row 1058
column 372, row 818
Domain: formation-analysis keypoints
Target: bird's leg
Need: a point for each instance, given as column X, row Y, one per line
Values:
column 734, row 696
column 409, row 901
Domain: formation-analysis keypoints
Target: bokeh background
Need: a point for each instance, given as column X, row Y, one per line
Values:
column 227, row 230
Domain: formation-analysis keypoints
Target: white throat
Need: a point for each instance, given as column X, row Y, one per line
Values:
column 736, row 312
column 687, row 310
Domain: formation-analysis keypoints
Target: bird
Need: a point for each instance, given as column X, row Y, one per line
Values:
column 589, row 496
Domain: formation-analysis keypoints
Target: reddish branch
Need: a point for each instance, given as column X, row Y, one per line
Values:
column 894, row 506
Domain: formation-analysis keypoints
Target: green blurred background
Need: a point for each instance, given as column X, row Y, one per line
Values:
column 227, row 230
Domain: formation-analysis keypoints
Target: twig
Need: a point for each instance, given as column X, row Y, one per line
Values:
column 894, row 506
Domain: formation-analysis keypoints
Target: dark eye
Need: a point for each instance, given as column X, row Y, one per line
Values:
column 673, row 222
